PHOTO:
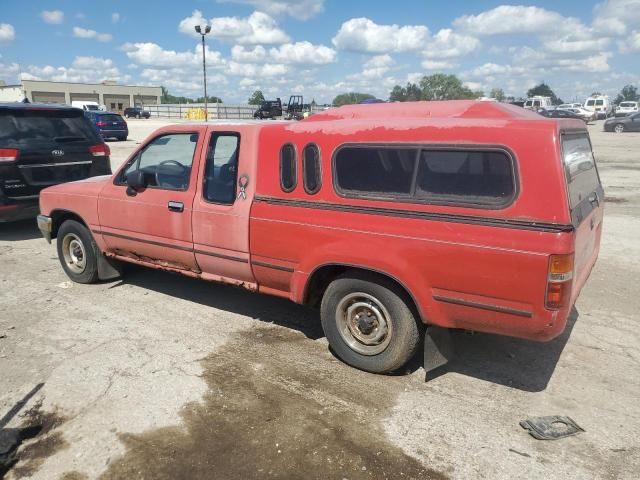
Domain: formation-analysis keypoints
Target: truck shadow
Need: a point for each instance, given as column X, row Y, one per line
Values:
column 507, row 361
column 512, row 362
column 265, row 308
column 20, row 230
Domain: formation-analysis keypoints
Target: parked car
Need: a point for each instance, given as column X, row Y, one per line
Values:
column 387, row 217
column 600, row 104
column 557, row 113
column 42, row 145
column 566, row 106
column 627, row 108
column 537, row 103
column 86, row 105
column 269, row 109
column 630, row 123
column 136, row 112
column 109, row 125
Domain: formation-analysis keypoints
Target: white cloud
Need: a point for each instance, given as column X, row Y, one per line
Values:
column 616, row 17
column 243, row 55
column 363, row 35
column 515, row 19
column 438, row 64
column 568, row 45
column 254, row 70
column 376, row 67
column 257, row 28
column 448, row 44
column 153, row 55
column 83, row 69
column 303, row 53
column 52, row 16
column 80, row 32
column 490, row 69
column 115, row 17
column 300, row 9
column 7, row 33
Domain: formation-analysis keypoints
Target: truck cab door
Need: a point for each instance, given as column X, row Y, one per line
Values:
column 153, row 223
column 222, row 205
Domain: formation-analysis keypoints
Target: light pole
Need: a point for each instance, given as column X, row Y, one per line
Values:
column 203, row 31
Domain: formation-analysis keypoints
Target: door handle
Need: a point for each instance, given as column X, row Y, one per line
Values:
column 175, row 206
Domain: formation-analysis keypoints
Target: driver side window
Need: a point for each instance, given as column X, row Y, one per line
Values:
column 166, row 161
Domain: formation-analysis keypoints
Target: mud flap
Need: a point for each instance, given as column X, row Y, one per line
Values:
column 108, row 269
column 438, row 349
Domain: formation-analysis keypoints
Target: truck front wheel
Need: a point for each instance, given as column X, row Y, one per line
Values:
column 77, row 252
column 368, row 323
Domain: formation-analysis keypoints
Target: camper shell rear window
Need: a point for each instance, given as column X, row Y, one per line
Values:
column 478, row 177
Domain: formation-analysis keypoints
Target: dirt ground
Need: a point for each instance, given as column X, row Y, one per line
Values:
column 156, row 376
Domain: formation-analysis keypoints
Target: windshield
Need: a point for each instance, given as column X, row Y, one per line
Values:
column 599, row 103
column 590, row 103
column 628, row 104
column 528, row 103
column 93, row 108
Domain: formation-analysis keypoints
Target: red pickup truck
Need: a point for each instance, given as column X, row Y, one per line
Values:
column 388, row 217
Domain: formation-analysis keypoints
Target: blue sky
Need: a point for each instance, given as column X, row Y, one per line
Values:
column 321, row 48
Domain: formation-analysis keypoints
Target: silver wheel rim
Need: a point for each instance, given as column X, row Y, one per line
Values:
column 364, row 323
column 74, row 253
column 619, row 129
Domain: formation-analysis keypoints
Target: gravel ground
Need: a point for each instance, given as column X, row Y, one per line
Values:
column 158, row 376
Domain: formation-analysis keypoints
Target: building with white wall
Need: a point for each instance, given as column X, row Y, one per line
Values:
column 115, row 97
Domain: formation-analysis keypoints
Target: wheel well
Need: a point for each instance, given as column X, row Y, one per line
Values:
column 58, row 217
column 323, row 276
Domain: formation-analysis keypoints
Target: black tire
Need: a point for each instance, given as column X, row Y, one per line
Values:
column 359, row 288
column 85, row 271
column 122, row 139
column 618, row 128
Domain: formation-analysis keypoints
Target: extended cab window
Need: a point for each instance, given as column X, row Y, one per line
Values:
column 166, row 161
column 311, row 168
column 580, row 167
column 222, row 168
column 412, row 174
column 288, row 171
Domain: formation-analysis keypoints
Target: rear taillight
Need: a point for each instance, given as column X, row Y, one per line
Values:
column 100, row 150
column 8, row 155
column 559, row 281
column 101, row 124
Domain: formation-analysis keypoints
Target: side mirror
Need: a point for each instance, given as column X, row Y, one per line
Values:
column 135, row 182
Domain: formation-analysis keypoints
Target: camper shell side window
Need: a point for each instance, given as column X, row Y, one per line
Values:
column 478, row 177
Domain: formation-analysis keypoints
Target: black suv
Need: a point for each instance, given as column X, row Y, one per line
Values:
column 43, row 145
column 269, row 109
column 136, row 112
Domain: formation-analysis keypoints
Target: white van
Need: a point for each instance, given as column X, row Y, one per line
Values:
column 600, row 104
column 536, row 103
column 627, row 108
column 87, row 106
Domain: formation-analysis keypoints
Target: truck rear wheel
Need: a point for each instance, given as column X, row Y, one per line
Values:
column 77, row 252
column 368, row 323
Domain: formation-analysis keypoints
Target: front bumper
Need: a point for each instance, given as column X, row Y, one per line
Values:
column 45, row 225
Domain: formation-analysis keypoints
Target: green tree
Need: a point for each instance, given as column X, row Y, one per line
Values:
column 256, row 98
column 210, row 99
column 441, row 86
column 498, row 94
column 410, row 93
column 629, row 93
column 351, row 98
column 544, row 90
column 166, row 97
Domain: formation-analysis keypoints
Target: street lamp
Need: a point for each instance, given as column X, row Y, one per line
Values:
column 203, row 31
